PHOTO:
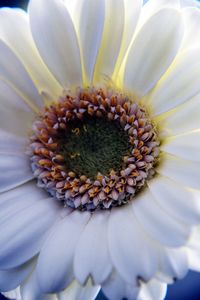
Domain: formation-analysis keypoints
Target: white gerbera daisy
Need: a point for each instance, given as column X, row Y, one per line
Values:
column 99, row 147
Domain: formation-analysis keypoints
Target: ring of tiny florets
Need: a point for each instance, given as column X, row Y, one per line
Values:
column 106, row 190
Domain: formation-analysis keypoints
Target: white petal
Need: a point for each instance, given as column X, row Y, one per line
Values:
column 56, row 40
column 31, row 290
column 132, row 10
column 115, row 288
column 192, row 23
column 96, row 262
column 15, row 170
column 183, row 119
column 190, row 3
column 173, row 264
column 14, row 294
column 193, row 250
column 55, row 264
column 157, row 223
column 22, row 237
column 152, row 6
column 15, row 200
column 15, row 115
column 77, row 292
column 12, row 278
column 185, row 146
column 14, row 73
column 153, row 290
column 183, row 171
column 178, row 201
column 10, row 143
column 90, row 31
column 153, row 51
column 177, row 86
column 132, row 252
column 21, row 41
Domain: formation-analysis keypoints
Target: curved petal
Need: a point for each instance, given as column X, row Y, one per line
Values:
column 178, row 201
column 77, row 292
column 10, row 143
column 15, row 200
column 191, row 3
column 132, row 10
column 13, row 72
column 193, row 249
column 183, row 85
column 157, row 223
column 12, row 278
column 152, row 6
column 186, row 146
column 22, row 237
column 132, row 252
column 15, row 115
column 15, row 170
column 173, row 264
column 153, row 51
column 191, row 17
column 90, row 33
column 153, row 290
column 30, row 289
column 115, row 288
column 21, row 42
column 55, row 38
column 55, row 264
column 188, row 112
column 95, row 263
column 14, row 294
column 183, row 171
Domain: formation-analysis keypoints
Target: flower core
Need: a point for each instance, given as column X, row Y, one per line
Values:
column 94, row 149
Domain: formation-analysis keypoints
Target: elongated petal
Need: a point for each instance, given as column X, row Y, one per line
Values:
column 15, row 114
column 95, row 263
column 10, row 143
column 56, row 40
column 116, row 288
column 153, row 290
column 30, row 289
column 173, row 264
column 14, row 294
column 12, row 278
column 185, row 146
column 147, row 61
column 22, row 238
column 178, row 86
column 77, row 292
column 21, row 42
column 13, row 72
column 55, row 274
column 183, row 171
column 132, row 252
column 173, row 198
column 15, row 170
column 90, row 30
column 191, row 17
column 157, row 223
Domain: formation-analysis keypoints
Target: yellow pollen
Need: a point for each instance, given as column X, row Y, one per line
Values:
column 74, row 155
column 76, row 131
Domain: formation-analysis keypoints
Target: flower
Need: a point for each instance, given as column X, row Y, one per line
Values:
column 99, row 148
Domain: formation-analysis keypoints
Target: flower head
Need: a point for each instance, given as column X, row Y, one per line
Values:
column 99, row 147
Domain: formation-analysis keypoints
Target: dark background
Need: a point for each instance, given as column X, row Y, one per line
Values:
column 186, row 289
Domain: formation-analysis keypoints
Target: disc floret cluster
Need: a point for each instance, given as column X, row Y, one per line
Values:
column 94, row 127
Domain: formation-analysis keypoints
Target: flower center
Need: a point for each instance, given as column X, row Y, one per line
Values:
column 94, row 145
column 94, row 149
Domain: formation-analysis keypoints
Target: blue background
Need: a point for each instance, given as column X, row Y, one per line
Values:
column 186, row 289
